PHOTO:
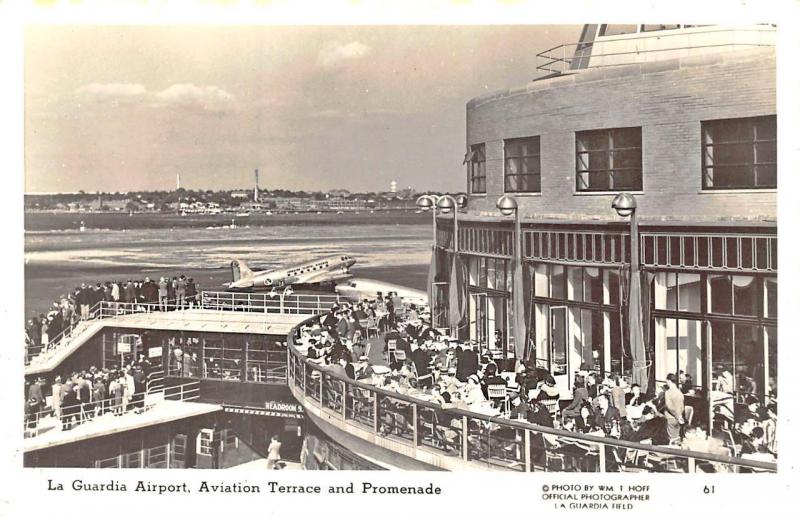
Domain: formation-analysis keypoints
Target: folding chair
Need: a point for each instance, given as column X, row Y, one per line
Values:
column 498, row 392
column 551, row 404
column 391, row 349
column 371, row 327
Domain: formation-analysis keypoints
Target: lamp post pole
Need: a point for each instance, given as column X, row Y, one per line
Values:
column 425, row 203
column 508, row 205
column 446, row 203
column 625, row 205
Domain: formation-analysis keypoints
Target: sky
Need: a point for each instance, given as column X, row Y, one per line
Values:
column 127, row 108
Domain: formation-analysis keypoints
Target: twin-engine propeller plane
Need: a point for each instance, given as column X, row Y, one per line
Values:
column 330, row 269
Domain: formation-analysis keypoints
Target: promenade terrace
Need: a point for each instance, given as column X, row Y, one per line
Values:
column 409, row 430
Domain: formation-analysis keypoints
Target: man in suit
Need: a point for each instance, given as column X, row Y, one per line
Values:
column 422, row 364
column 605, row 415
column 467, row 364
column 673, row 407
column 36, row 396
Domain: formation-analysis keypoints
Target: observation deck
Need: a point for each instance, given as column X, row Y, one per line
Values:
column 602, row 48
column 222, row 312
column 410, row 433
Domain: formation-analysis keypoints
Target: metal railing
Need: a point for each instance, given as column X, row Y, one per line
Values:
column 647, row 46
column 222, row 302
column 70, row 416
column 292, row 304
column 270, row 370
column 34, row 350
column 491, row 441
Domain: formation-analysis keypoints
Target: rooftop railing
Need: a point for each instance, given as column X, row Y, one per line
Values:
column 70, row 416
column 289, row 304
column 651, row 46
column 463, row 438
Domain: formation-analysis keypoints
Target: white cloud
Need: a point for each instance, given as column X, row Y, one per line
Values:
column 335, row 53
column 209, row 98
column 111, row 91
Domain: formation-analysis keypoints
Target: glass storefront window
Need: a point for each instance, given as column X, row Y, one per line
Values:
column 678, row 348
column 541, row 280
column 256, row 359
column 224, row 357
column 719, row 294
column 722, row 357
column 575, row 289
column 748, row 359
column 772, row 360
column 557, row 283
column 611, row 282
column 592, row 285
column 677, row 292
column 737, row 358
column 771, row 297
column 491, row 273
column 733, row 294
column 745, row 295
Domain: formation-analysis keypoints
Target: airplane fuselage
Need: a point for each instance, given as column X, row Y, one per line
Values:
column 330, row 269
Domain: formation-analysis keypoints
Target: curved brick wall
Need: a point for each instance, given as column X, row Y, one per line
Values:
column 668, row 99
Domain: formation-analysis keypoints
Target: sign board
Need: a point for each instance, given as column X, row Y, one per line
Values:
column 263, row 412
column 123, row 347
column 154, row 352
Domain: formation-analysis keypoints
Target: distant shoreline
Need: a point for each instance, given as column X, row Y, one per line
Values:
column 65, row 221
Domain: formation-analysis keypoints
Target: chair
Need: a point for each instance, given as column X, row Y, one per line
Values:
column 552, row 457
column 735, row 448
column 429, row 428
column 498, row 392
column 371, row 326
column 551, row 404
column 391, row 349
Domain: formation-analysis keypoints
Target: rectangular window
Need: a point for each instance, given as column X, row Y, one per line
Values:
column 678, row 348
column 476, row 161
column 677, row 292
column 522, row 165
column 608, row 160
column 740, row 153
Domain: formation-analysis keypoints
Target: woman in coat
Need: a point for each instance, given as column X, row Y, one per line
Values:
column 56, row 398
column 274, row 452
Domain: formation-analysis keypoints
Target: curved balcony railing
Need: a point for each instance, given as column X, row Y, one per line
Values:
column 651, row 46
column 454, row 438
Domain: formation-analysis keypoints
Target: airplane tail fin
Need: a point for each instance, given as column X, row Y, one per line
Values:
column 239, row 270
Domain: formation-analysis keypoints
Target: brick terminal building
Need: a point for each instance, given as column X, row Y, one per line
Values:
column 684, row 119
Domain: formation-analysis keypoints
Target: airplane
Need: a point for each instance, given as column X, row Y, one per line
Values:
column 358, row 289
column 330, row 269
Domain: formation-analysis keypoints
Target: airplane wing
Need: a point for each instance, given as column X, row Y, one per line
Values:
column 324, row 276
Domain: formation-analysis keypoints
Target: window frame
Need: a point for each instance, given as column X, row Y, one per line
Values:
column 610, row 150
column 522, row 157
column 476, row 167
column 707, row 154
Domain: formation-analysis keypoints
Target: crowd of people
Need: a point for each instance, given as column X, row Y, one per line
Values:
column 43, row 330
column 83, row 395
column 414, row 359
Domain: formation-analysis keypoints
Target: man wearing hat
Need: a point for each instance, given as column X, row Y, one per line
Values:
column 36, row 399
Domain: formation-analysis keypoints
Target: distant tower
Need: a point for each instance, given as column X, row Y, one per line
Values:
column 255, row 191
column 178, row 181
column 393, row 186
